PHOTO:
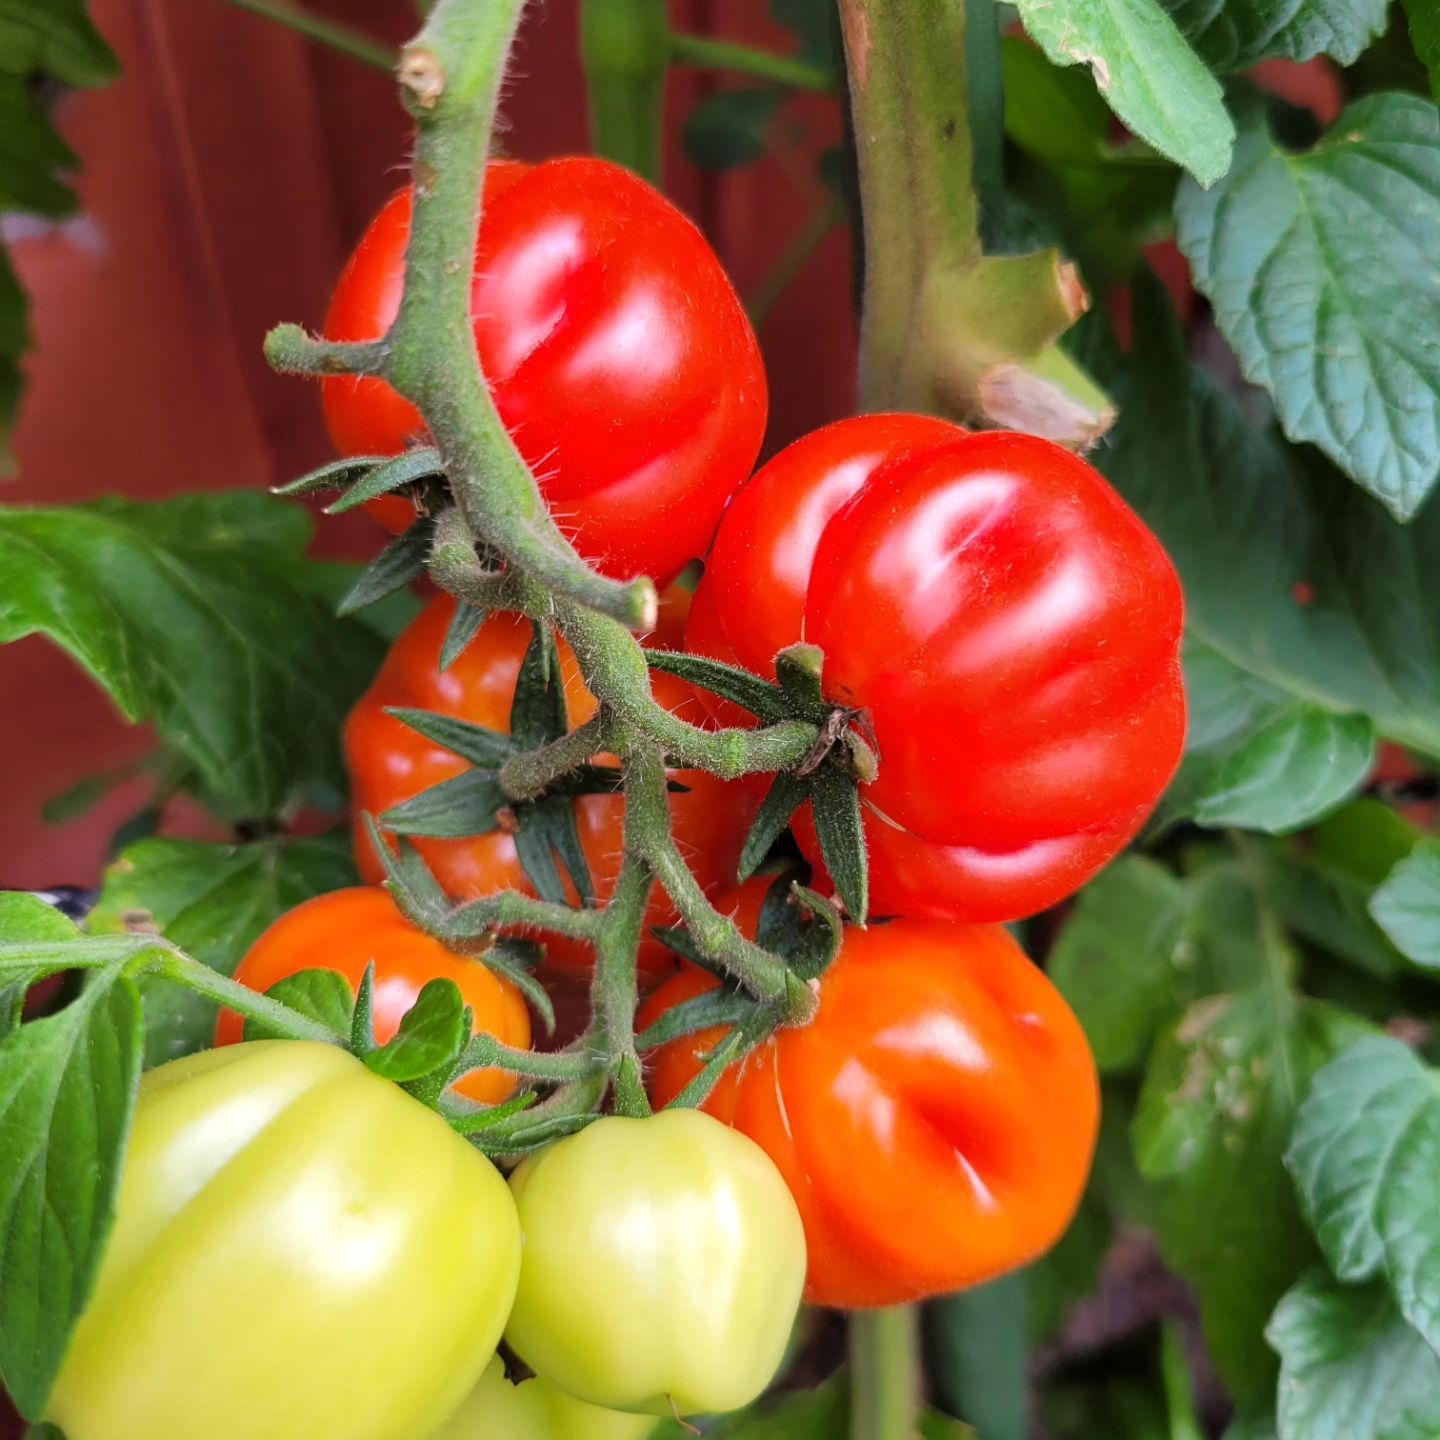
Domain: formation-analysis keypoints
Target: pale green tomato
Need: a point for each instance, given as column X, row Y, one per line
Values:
column 663, row 1264
column 536, row 1410
column 301, row 1252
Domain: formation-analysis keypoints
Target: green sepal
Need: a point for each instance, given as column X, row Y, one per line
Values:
column 465, row 805
column 465, row 624
column 400, row 563
column 390, row 475
column 763, row 700
column 835, row 803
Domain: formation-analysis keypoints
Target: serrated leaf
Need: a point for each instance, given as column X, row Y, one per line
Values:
column 431, row 1036
column 786, row 794
column 470, row 742
column 835, row 804
column 1350, row 1367
column 54, row 37
column 729, row 128
column 1215, row 1114
column 389, row 475
column 750, row 692
column 1143, row 67
column 1407, row 905
column 1318, row 266
column 465, row 624
column 465, row 804
column 400, row 563
column 1365, row 1155
column 213, row 902
column 323, row 995
column 1257, row 758
column 67, row 1091
column 196, row 613
column 1235, row 34
column 1290, row 572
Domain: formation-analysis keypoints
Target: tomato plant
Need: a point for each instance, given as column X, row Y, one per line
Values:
column 281, row 1209
column 977, row 597
column 390, row 763
column 672, row 1285
column 618, row 355
column 348, row 930
column 940, row 1054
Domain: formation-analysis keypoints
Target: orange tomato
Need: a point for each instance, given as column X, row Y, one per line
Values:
column 348, row 929
column 935, row 1122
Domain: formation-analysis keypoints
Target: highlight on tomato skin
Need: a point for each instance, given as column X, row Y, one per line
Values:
column 940, row 1054
column 389, row 763
column 348, row 930
column 617, row 352
column 1009, row 624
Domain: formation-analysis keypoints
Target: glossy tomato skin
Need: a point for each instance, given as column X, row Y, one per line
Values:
column 618, row 353
column 346, row 931
column 1011, row 627
column 389, row 762
column 535, row 1410
column 300, row 1249
column 663, row 1265
column 936, row 1120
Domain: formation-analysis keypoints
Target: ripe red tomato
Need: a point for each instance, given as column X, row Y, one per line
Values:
column 348, row 929
column 935, row 1121
column 389, row 762
column 616, row 349
column 1009, row 623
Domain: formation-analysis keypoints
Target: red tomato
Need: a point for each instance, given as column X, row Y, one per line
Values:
column 348, row 929
column 616, row 349
column 1011, row 627
column 935, row 1121
column 389, row 762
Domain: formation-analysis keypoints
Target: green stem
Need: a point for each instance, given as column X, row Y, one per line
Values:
column 614, row 988
column 176, row 966
column 625, row 46
column 910, row 106
column 526, row 775
column 330, row 33
column 514, row 910
column 485, row 1052
column 884, row 1373
column 708, row 54
column 792, row 259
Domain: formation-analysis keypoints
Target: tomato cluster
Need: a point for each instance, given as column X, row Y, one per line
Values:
column 992, row 617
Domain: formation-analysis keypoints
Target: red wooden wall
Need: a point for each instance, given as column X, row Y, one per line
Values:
column 225, row 176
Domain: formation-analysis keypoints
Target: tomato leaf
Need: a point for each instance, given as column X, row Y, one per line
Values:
column 1235, row 34
column 1216, row 1110
column 1290, row 572
column 1258, row 758
column 323, row 995
column 730, row 682
column 1365, row 1155
column 835, row 802
column 465, row 624
column 1425, row 32
column 786, row 794
column 1350, row 1367
column 469, row 741
column 197, row 614
column 213, row 902
column 362, row 1022
column 1407, row 905
column 431, row 1036
column 1148, row 74
column 67, row 1091
column 1317, row 266
column 389, row 475
column 977, row 1347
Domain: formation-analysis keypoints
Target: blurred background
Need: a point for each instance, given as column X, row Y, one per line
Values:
column 225, row 176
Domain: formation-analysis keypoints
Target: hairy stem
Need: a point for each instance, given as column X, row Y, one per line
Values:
column 614, row 991
column 525, row 776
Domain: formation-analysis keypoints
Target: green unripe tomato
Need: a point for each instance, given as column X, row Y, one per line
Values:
column 663, row 1264
column 536, row 1410
column 300, row 1250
